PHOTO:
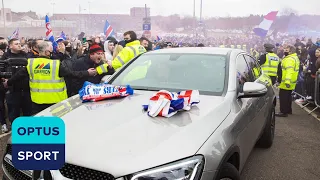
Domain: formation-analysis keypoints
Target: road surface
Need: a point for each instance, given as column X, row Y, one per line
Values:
column 295, row 154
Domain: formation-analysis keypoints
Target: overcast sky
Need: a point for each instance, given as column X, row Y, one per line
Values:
column 165, row 7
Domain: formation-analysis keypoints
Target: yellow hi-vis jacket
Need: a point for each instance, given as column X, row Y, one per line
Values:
column 290, row 71
column 263, row 78
column 270, row 67
column 221, row 46
column 61, row 109
column 254, row 53
column 46, row 87
column 232, row 46
column 239, row 46
column 244, row 47
column 132, row 50
column 137, row 73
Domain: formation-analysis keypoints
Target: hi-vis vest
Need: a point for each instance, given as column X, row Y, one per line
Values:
column 132, row 50
column 61, row 109
column 238, row 46
column 290, row 71
column 270, row 67
column 255, row 72
column 254, row 53
column 46, row 87
column 137, row 73
column 232, row 46
column 244, row 47
column 222, row 46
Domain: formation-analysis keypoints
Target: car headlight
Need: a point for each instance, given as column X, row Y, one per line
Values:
column 190, row 168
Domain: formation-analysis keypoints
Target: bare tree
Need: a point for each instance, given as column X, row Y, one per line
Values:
column 288, row 12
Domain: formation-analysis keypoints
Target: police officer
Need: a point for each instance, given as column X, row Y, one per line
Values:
column 244, row 47
column 131, row 50
column 288, row 76
column 270, row 62
column 47, row 85
column 254, row 52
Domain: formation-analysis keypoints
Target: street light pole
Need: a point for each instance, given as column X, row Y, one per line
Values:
column 201, row 24
column 89, row 6
column 194, row 19
column 53, row 8
column 90, row 21
column 4, row 18
column 200, row 10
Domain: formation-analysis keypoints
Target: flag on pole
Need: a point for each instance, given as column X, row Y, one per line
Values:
column 62, row 37
column 15, row 34
column 158, row 38
column 264, row 26
column 108, row 30
column 49, row 34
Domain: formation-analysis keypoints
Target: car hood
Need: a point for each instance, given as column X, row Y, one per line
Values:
column 117, row 137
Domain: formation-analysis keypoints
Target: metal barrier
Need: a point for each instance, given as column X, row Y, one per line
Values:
column 316, row 92
column 303, row 89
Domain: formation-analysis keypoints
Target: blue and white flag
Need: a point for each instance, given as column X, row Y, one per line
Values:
column 49, row 34
column 15, row 34
column 108, row 30
column 62, row 37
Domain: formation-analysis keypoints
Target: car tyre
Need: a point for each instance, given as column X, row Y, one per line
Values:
column 228, row 172
column 266, row 140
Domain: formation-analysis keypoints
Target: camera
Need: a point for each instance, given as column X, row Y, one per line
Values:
column 10, row 66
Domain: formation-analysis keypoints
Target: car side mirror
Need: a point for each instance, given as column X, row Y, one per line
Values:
column 105, row 78
column 253, row 89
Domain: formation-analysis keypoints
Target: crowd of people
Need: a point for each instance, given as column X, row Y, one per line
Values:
column 55, row 73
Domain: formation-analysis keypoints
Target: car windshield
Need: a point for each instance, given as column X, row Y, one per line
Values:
column 175, row 72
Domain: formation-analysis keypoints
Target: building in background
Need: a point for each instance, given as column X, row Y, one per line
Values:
column 31, row 25
column 7, row 14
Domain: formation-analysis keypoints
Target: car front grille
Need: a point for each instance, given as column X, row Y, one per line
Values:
column 14, row 173
column 81, row 173
column 68, row 170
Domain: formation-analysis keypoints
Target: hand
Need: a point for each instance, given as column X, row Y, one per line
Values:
column 277, row 84
column 61, row 48
column 1, row 52
column 288, row 85
column 109, row 62
column 92, row 72
column 5, row 83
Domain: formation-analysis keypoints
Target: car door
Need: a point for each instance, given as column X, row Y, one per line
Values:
column 260, row 103
column 248, row 117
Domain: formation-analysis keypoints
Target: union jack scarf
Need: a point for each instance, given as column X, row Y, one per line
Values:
column 167, row 104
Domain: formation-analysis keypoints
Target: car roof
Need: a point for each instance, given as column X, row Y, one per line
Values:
column 196, row 50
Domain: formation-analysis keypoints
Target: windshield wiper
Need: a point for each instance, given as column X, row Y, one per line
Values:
column 145, row 89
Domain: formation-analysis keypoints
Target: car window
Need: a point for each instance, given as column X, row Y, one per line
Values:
column 253, row 66
column 242, row 70
column 173, row 72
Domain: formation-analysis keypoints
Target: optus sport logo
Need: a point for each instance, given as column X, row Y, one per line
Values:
column 38, row 143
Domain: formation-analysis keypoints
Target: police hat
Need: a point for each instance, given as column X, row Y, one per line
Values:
column 268, row 46
column 168, row 43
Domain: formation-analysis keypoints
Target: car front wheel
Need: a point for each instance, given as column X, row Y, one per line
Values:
column 228, row 172
column 266, row 140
